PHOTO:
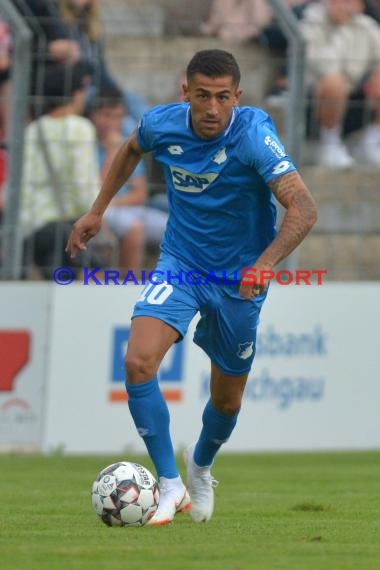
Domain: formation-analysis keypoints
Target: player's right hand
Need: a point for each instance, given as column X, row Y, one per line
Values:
column 83, row 230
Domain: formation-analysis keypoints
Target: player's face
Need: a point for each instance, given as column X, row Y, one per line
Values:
column 211, row 100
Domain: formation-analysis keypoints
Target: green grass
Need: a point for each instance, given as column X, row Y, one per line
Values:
column 273, row 511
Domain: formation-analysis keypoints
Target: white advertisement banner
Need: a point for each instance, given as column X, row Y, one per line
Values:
column 24, row 320
column 314, row 384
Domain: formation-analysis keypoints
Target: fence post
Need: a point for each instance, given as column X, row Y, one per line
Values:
column 295, row 110
column 295, row 125
column 21, row 65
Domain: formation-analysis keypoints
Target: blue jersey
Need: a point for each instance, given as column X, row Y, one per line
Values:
column 222, row 213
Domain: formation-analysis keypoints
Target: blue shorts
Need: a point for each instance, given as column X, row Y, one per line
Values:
column 227, row 327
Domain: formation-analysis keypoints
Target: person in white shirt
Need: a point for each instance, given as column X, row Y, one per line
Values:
column 343, row 57
column 54, row 196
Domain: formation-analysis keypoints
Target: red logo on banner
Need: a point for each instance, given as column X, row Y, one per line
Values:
column 14, row 354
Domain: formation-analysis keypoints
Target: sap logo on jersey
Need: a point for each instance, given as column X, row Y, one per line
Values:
column 170, row 374
column 189, row 182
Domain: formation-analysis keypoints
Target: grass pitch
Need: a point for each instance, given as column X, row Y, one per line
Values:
column 272, row 511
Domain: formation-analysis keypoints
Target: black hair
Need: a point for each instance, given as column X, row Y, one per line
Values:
column 61, row 82
column 108, row 96
column 214, row 63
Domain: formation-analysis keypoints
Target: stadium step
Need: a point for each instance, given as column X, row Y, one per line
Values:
column 346, row 238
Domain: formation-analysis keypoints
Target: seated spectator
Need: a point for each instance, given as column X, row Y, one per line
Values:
column 240, row 20
column 5, row 72
column 372, row 8
column 82, row 19
column 52, row 44
column 60, row 174
column 343, row 63
column 237, row 20
column 128, row 216
column 254, row 20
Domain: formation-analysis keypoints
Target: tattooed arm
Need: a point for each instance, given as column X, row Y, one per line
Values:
column 300, row 216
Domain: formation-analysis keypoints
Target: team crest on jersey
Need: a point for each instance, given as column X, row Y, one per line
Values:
column 245, row 350
column 221, row 156
column 175, row 149
column 189, row 182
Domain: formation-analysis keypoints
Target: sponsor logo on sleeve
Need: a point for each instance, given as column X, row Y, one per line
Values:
column 281, row 167
column 273, row 145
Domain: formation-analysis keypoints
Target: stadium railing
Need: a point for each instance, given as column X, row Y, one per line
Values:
column 10, row 239
column 150, row 64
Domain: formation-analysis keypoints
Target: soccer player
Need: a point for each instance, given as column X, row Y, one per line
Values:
column 223, row 166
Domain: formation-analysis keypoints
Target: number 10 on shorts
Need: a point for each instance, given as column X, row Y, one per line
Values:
column 156, row 294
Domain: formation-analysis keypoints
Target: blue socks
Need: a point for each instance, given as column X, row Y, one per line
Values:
column 217, row 428
column 151, row 416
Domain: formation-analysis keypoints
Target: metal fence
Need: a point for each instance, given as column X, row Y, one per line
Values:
column 148, row 61
column 10, row 238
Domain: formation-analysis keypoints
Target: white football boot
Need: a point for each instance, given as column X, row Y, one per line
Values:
column 174, row 499
column 200, row 484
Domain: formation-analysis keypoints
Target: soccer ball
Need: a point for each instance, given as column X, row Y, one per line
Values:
column 125, row 494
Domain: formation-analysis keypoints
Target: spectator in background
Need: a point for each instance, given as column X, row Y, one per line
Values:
column 82, row 18
column 372, row 8
column 253, row 20
column 52, row 44
column 61, row 174
column 68, row 31
column 343, row 62
column 134, row 223
column 83, row 23
column 240, row 20
column 237, row 19
column 5, row 74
